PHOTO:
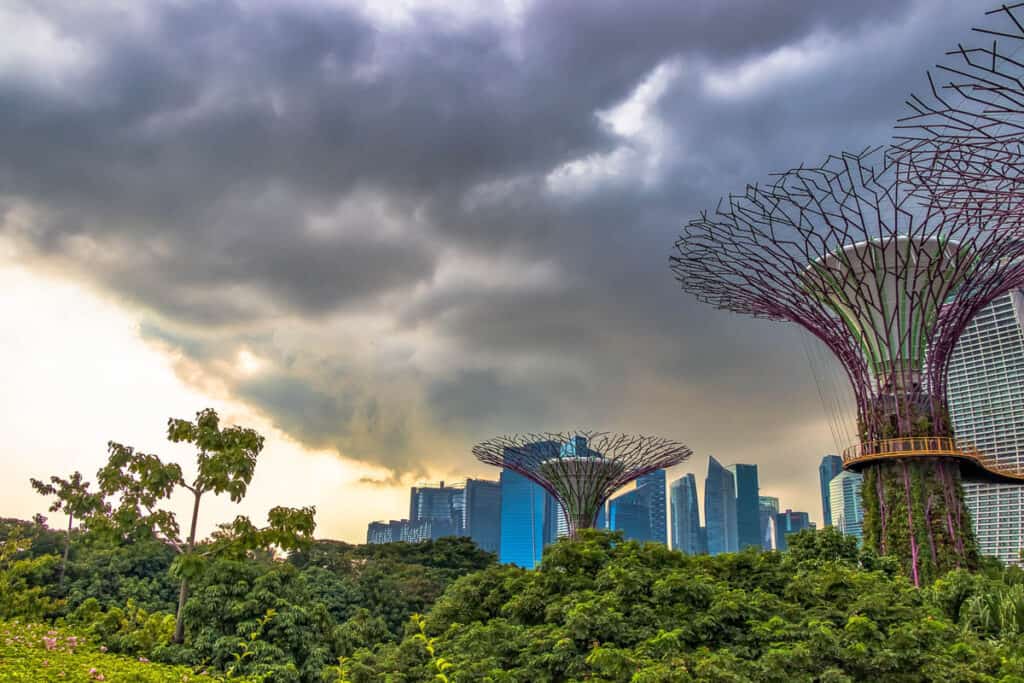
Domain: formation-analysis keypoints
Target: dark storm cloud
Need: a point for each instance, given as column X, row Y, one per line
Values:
column 344, row 196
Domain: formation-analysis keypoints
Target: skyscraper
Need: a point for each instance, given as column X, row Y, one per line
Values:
column 529, row 514
column 847, row 510
column 523, row 505
column 651, row 491
column 685, row 516
column 830, row 466
column 630, row 514
column 789, row 522
column 986, row 404
column 748, row 512
column 441, row 506
column 482, row 517
column 768, row 509
column 720, row 509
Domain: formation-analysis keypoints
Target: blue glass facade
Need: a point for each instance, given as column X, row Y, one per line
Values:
column 437, row 511
column 651, row 490
column 789, row 522
column 769, row 508
column 720, row 509
column 523, row 507
column 847, row 510
column 483, row 513
column 687, row 535
column 748, row 506
column 831, row 465
column 628, row 514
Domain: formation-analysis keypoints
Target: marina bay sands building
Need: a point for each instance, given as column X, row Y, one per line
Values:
column 986, row 404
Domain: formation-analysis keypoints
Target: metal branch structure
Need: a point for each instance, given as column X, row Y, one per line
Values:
column 581, row 469
column 887, row 279
column 963, row 138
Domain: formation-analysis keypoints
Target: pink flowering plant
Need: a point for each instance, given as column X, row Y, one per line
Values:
column 27, row 649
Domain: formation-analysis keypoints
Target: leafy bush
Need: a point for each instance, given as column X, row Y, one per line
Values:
column 602, row 609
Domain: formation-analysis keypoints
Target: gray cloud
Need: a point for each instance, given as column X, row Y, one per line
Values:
column 374, row 209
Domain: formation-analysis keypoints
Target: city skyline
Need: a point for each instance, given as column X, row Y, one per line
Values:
column 374, row 282
column 525, row 521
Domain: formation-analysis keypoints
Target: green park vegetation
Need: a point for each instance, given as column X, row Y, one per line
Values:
column 123, row 594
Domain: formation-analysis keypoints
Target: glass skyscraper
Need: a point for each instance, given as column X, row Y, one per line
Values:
column 437, row 510
column 652, row 490
column 720, row 509
column 847, row 510
column 630, row 514
column 482, row 515
column 523, row 508
column 748, row 507
column 768, row 508
column 789, row 522
column 685, row 516
column 830, row 466
column 529, row 514
column 986, row 404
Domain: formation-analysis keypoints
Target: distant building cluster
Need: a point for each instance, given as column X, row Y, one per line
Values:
column 841, row 504
column 466, row 509
column 736, row 515
column 516, row 518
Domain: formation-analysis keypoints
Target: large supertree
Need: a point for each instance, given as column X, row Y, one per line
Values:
column 581, row 469
column 887, row 280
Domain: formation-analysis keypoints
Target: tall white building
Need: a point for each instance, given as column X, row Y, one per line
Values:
column 986, row 404
column 846, row 508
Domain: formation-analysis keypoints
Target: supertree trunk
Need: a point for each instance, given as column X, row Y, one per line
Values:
column 914, row 510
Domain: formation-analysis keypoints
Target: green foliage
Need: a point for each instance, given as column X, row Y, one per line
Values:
column 74, row 499
column 225, row 463
column 23, row 580
column 603, row 609
column 36, row 652
column 915, row 512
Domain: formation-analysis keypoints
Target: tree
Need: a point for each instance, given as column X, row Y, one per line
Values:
column 225, row 463
column 75, row 500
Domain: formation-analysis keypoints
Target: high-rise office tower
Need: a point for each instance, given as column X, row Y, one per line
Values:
column 378, row 532
column 651, row 490
column 529, row 515
column 847, row 510
column 685, row 516
column 720, row 509
column 482, row 515
column 630, row 514
column 986, row 404
column 748, row 509
column 523, row 508
column 768, row 507
column 789, row 522
column 439, row 508
column 830, row 466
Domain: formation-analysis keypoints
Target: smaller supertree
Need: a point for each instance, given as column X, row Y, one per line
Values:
column 581, row 469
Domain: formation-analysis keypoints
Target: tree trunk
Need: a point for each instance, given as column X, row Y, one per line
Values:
column 179, row 622
column 67, row 551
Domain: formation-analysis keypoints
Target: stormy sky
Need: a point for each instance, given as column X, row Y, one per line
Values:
column 385, row 231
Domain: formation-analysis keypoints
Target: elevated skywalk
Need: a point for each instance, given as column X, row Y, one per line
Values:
column 974, row 465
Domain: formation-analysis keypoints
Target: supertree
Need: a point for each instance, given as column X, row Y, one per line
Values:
column 887, row 280
column 963, row 139
column 581, row 469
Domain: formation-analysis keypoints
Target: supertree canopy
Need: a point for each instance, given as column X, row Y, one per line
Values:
column 887, row 280
column 581, row 469
column 962, row 140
